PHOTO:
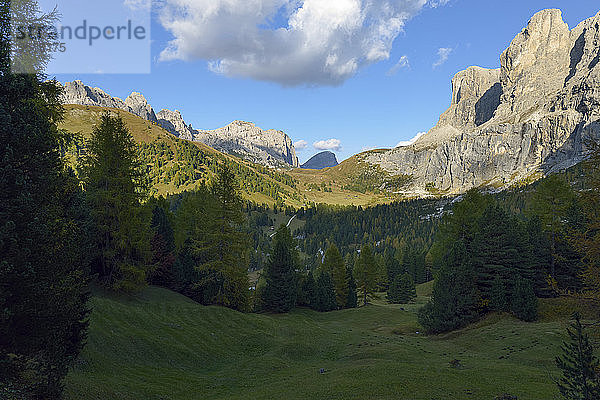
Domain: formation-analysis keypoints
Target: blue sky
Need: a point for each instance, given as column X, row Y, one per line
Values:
column 374, row 102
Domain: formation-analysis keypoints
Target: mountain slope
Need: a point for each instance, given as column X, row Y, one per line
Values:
column 174, row 165
column 530, row 117
column 322, row 160
column 270, row 148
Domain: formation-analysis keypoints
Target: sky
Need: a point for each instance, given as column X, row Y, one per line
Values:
column 339, row 75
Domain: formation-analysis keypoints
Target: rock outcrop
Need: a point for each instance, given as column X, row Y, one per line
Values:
column 270, row 148
column 245, row 139
column 532, row 115
column 322, row 160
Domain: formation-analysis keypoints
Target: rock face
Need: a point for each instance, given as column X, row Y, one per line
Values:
column 173, row 122
column 270, row 148
column 245, row 139
column 322, row 160
column 532, row 115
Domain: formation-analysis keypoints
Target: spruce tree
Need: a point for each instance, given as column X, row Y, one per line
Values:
column 225, row 246
column 324, row 293
column 335, row 263
column 352, row 300
column 365, row 272
column 114, row 184
column 453, row 303
column 163, row 246
column 44, row 240
column 498, row 299
column 579, row 366
column 524, row 304
column 280, row 292
column 307, row 297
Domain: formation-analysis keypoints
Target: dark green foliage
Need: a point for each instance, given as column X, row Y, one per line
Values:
column 281, row 289
column 402, row 289
column 324, row 293
column 114, row 184
column 44, row 241
column 163, row 246
column 365, row 272
column 498, row 300
column 524, row 304
column 352, row 300
column 454, row 300
column 413, row 262
column 307, row 292
column 334, row 263
column 579, row 366
column 223, row 250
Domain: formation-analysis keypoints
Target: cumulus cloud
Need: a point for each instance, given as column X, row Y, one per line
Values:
column 401, row 64
column 329, row 144
column 411, row 141
column 443, row 54
column 300, row 145
column 291, row 42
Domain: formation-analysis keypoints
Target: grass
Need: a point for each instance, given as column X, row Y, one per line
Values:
column 160, row 345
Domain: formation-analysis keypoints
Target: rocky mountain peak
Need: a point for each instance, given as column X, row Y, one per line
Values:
column 172, row 122
column 531, row 116
column 321, row 160
column 140, row 107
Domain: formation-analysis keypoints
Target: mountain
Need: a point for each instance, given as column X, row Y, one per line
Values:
column 270, row 148
column 504, row 126
column 322, row 160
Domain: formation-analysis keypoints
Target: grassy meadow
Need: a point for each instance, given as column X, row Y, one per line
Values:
column 161, row 345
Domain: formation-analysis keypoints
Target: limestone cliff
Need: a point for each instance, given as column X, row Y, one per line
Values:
column 532, row 115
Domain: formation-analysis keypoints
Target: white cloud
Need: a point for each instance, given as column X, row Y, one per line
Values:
column 402, row 63
column 411, row 141
column 300, row 145
column 437, row 3
column 329, row 144
column 291, row 42
column 443, row 54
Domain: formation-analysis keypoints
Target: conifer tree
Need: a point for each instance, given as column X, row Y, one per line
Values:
column 352, row 300
column 307, row 297
column 454, row 300
column 579, row 366
column 44, row 240
column 114, row 184
column 163, row 246
column 402, row 290
column 281, row 288
column 498, row 299
column 324, row 293
column 365, row 272
column 224, row 271
column 524, row 304
column 335, row 263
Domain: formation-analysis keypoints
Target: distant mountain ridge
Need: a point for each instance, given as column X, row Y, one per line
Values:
column 530, row 117
column 321, row 160
column 271, row 148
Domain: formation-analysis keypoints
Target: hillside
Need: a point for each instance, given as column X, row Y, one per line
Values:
column 160, row 345
column 175, row 165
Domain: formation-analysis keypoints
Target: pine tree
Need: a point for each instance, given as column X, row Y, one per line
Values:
column 524, row 304
column 402, row 290
column 335, row 263
column 114, row 185
column 498, row 300
column 324, row 293
column 44, row 240
column 453, row 303
column 578, row 365
column 307, row 297
column 365, row 272
column 281, row 289
column 224, row 271
column 352, row 300
column 163, row 247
